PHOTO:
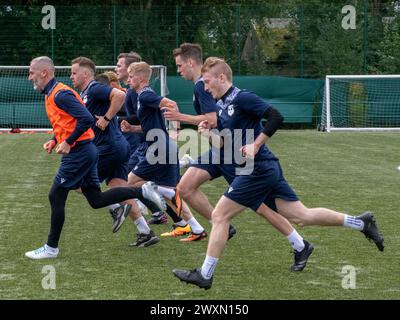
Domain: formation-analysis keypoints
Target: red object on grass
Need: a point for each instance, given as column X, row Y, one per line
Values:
column 15, row 130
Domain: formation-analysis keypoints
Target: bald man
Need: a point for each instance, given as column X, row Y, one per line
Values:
column 73, row 136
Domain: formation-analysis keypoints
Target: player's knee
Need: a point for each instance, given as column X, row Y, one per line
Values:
column 184, row 190
column 218, row 218
column 57, row 195
column 93, row 197
column 94, row 204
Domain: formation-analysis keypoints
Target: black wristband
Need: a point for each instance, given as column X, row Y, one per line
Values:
column 105, row 118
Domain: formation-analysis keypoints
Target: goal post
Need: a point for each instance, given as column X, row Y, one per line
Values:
column 361, row 103
column 22, row 107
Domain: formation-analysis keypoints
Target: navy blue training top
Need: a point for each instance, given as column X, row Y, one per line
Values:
column 97, row 99
column 203, row 101
column 131, row 100
column 241, row 112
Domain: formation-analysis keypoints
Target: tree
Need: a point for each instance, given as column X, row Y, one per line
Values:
column 314, row 44
column 389, row 48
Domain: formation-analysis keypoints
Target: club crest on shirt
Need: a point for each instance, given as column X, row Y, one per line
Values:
column 84, row 99
column 231, row 110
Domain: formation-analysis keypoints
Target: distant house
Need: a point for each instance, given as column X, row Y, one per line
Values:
column 265, row 40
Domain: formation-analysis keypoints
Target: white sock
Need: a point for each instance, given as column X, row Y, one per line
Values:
column 195, row 226
column 166, row 192
column 208, row 267
column 181, row 223
column 353, row 223
column 142, row 207
column 113, row 206
column 296, row 241
column 51, row 249
column 142, row 225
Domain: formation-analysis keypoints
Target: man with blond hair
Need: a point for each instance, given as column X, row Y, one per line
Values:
column 133, row 133
column 158, row 161
column 114, row 82
column 264, row 184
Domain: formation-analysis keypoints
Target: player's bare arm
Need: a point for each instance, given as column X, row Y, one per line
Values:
column 250, row 150
column 127, row 127
column 204, row 129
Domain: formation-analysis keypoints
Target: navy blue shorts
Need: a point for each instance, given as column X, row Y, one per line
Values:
column 210, row 162
column 162, row 174
column 78, row 168
column 212, row 156
column 113, row 163
column 251, row 190
column 282, row 190
column 134, row 159
column 217, row 170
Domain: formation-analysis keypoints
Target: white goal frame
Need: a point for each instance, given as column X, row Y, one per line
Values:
column 328, row 127
column 163, row 86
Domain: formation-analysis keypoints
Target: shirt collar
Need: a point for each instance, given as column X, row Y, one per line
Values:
column 227, row 93
column 49, row 86
column 146, row 88
column 198, row 80
column 87, row 87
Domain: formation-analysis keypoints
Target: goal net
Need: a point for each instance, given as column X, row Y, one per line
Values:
column 22, row 107
column 361, row 103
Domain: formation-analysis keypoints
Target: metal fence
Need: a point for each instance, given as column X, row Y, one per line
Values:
column 301, row 40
